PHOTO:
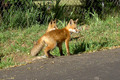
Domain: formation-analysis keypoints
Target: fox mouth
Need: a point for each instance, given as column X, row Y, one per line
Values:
column 73, row 30
column 52, row 29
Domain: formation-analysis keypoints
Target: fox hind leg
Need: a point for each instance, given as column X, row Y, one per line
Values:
column 50, row 56
column 48, row 48
column 60, row 48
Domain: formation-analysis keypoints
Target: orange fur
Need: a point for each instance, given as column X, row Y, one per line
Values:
column 52, row 26
column 55, row 38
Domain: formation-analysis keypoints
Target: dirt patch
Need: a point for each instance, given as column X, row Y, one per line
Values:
column 25, row 58
column 21, row 58
column 18, row 58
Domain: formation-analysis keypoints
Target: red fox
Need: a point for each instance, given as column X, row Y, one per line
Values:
column 52, row 26
column 55, row 38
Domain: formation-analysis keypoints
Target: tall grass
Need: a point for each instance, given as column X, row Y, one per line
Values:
column 25, row 14
column 100, row 34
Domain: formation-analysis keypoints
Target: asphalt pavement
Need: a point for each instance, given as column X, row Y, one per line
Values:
column 102, row 65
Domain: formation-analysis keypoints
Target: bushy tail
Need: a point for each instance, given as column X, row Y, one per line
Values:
column 37, row 47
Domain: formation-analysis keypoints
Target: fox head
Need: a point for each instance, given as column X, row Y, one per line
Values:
column 52, row 25
column 72, row 26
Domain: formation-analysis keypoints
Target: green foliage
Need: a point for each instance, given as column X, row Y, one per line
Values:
column 101, row 7
column 19, row 18
column 24, row 13
column 9, row 62
column 51, row 11
column 21, row 13
column 58, row 10
column 23, row 4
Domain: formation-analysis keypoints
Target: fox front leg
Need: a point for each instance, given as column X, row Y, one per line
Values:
column 67, row 46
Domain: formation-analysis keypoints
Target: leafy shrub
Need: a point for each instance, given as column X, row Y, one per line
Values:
column 24, row 13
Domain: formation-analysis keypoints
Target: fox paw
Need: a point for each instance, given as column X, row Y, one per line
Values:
column 44, row 56
column 68, row 54
column 51, row 56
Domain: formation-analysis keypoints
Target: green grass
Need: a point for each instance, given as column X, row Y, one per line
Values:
column 100, row 34
column 18, row 42
column 7, row 63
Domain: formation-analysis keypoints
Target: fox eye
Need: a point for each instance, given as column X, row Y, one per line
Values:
column 51, row 22
column 75, row 22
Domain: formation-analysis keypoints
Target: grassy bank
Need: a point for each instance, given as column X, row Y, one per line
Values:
column 15, row 44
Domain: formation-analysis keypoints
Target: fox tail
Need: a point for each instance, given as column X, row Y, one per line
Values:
column 37, row 47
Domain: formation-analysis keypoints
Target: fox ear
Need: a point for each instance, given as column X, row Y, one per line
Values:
column 76, row 20
column 55, row 20
column 71, row 21
column 51, row 21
